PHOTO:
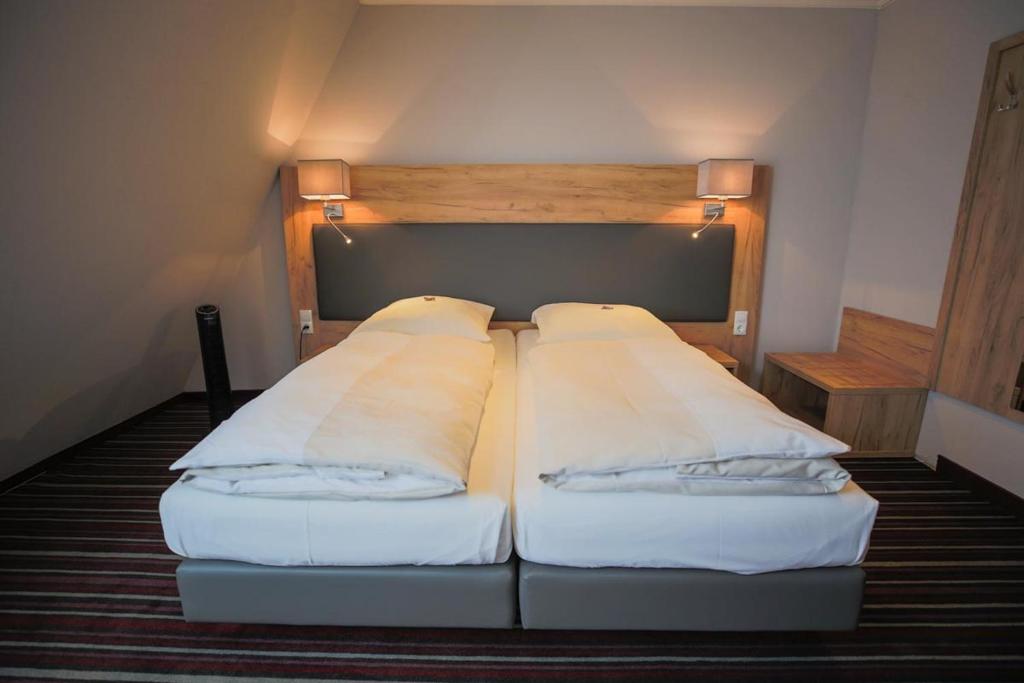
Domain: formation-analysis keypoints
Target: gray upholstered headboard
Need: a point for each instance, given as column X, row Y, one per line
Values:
column 516, row 267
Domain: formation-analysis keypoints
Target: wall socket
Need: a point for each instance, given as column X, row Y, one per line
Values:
column 739, row 323
column 306, row 320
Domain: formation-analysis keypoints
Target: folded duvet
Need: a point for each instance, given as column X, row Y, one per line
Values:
column 657, row 414
column 306, row 481
column 746, row 477
column 381, row 415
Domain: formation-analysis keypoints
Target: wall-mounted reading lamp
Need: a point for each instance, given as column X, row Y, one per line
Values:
column 722, row 179
column 325, row 180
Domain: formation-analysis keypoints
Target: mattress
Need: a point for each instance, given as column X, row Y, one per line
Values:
column 466, row 528
column 741, row 534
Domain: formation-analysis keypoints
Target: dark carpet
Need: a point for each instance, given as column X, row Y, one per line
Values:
column 87, row 592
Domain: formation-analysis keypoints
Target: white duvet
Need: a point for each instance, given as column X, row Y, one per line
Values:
column 654, row 413
column 381, row 415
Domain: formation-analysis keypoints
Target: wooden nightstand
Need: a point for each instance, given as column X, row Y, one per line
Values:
column 875, row 408
column 870, row 393
column 717, row 354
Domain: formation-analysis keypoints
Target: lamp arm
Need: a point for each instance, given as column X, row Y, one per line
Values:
column 348, row 240
column 707, row 225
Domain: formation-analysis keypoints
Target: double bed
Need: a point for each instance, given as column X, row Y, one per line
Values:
column 512, row 548
column 600, row 559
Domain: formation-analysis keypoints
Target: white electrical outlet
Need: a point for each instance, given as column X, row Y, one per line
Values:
column 739, row 323
column 306, row 320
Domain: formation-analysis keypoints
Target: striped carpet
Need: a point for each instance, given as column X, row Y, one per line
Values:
column 87, row 592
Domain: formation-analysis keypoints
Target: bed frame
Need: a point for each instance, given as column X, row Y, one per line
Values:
column 500, row 233
column 549, row 597
column 465, row 596
column 612, row 598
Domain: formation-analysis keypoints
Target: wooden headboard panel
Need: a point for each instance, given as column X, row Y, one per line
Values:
column 527, row 193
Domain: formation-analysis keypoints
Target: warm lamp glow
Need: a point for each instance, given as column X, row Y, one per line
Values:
column 725, row 178
column 722, row 179
column 324, row 179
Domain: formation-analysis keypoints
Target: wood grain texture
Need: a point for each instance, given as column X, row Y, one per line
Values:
column 888, row 341
column 298, row 216
column 525, row 193
column 877, row 424
column 980, row 335
column 719, row 356
column 794, row 395
column 748, row 272
column 842, row 373
column 988, row 88
column 870, row 393
column 315, row 352
column 869, row 405
column 529, row 193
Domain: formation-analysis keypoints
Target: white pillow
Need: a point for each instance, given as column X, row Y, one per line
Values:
column 578, row 322
column 432, row 315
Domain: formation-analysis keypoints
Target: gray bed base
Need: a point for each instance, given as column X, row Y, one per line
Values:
column 465, row 596
column 550, row 597
column 825, row 599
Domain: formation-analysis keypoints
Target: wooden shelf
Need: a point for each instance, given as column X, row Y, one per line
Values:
column 839, row 373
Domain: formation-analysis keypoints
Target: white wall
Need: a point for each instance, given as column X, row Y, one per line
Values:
column 137, row 183
column 925, row 84
column 603, row 84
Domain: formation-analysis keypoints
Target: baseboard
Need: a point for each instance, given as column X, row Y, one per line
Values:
column 979, row 484
column 32, row 471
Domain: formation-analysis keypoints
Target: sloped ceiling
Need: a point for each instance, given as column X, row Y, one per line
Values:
column 316, row 30
column 143, row 140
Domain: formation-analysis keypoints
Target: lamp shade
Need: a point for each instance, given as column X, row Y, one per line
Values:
column 725, row 178
column 324, row 179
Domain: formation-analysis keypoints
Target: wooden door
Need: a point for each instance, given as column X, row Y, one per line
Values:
column 981, row 323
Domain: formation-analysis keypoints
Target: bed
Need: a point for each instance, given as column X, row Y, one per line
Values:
column 642, row 560
column 641, row 253
column 442, row 561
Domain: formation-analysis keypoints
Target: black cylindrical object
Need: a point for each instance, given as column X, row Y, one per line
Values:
column 215, row 364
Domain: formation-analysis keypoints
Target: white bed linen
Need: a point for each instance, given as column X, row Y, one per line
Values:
column 397, row 403
column 647, row 402
column 472, row 527
column 741, row 534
